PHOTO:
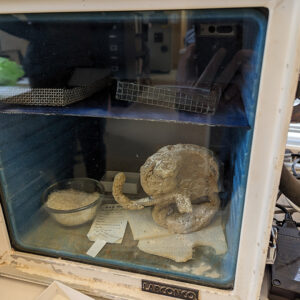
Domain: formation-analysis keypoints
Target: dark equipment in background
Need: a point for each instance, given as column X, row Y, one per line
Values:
column 286, row 268
column 216, row 36
column 285, row 272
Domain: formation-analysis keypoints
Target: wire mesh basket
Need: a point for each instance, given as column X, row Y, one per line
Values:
column 202, row 99
column 47, row 96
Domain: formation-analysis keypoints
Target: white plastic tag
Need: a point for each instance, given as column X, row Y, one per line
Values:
column 96, row 248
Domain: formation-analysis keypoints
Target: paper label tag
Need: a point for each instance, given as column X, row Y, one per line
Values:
column 109, row 224
column 96, row 248
column 142, row 224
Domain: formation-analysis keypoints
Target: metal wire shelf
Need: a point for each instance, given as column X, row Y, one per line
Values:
column 202, row 99
column 47, row 96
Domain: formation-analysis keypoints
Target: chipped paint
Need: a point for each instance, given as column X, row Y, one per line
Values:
column 5, row 258
column 45, row 272
column 92, row 280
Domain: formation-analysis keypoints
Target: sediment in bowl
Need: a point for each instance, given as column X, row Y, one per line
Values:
column 79, row 215
column 75, row 218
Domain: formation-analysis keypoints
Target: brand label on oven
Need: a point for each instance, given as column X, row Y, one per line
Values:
column 169, row 290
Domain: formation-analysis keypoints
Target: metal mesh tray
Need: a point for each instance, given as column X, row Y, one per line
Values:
column 48, row 96
column 202, row 99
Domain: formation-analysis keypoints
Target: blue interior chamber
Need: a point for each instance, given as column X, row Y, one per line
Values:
column 38, row 147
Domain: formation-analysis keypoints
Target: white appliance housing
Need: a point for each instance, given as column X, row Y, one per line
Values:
column 278, row 81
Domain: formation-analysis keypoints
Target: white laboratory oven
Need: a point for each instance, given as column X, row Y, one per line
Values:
column 201, row 143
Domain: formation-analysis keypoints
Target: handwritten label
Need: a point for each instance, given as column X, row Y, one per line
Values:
column 108, row 227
